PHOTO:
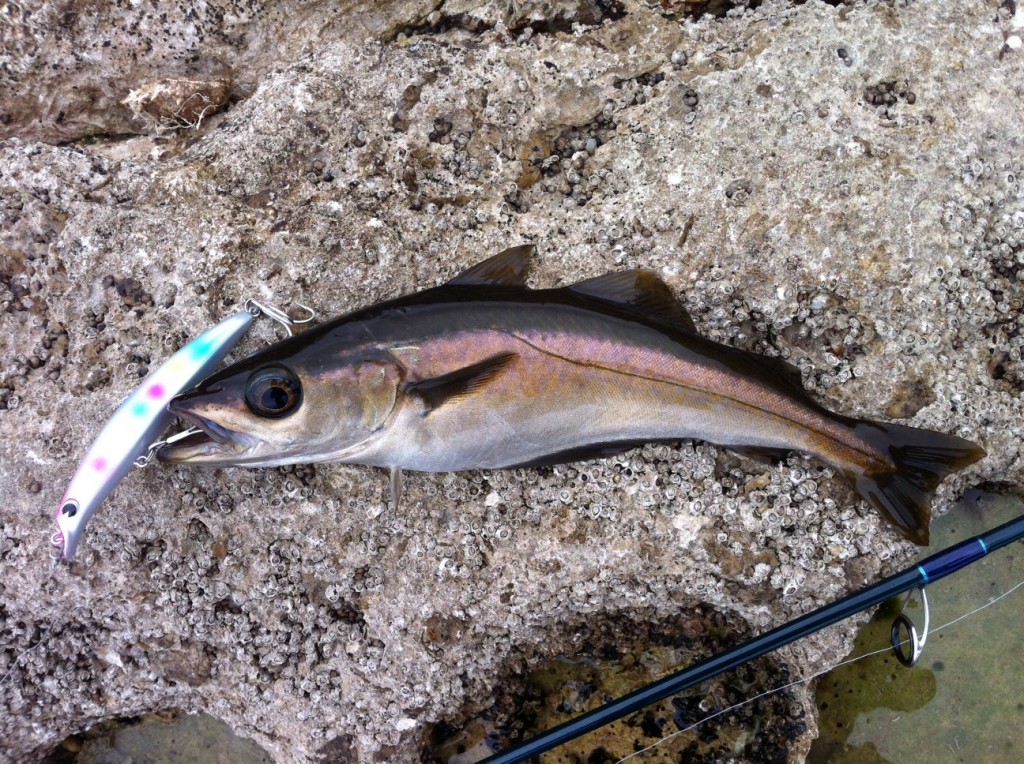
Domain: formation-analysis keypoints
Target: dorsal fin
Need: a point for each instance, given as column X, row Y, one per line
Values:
column 772, row 370
column 641, row 291
column 784, row 369
column 508, row 268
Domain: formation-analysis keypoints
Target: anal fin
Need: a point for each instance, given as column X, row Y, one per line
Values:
column 583, row 453
column 763, row 454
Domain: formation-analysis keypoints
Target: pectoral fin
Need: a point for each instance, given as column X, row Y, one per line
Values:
column 437, row 391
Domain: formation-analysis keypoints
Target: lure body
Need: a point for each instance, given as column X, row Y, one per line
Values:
column 136, row 424
column 485, row 373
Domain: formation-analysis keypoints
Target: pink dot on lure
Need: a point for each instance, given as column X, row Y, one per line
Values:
column 99, row 464
column 156, row 391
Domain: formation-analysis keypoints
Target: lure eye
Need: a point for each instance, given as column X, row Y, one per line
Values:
column 273, row 392
column 70, row 509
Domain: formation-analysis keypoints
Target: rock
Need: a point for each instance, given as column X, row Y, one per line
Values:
column 72, row 70
column 381, row 149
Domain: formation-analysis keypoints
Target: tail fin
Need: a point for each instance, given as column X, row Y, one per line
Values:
column 923, row 458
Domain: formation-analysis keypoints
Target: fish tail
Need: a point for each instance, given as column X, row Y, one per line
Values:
column 922, row 459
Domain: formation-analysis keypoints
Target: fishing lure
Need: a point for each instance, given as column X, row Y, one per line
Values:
column 128, row 435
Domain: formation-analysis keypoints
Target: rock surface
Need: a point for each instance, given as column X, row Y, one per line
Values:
column 841, row 184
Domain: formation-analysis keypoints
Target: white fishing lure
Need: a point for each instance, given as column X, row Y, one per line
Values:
column 136, row 424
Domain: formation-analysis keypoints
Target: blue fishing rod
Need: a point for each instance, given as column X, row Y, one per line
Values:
column 933, row 568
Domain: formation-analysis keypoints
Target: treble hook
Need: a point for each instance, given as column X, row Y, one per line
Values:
column 147, row 457
column 256, row 308
column 917, row 643
column 56, row 549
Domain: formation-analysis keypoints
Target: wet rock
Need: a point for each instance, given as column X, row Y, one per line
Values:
column 878, row 252
column 908, row 399
column 167, row 736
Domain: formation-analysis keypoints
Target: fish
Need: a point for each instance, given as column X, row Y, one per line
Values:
column 483, row 372
column 136, row 423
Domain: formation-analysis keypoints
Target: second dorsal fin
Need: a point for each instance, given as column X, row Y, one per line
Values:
column 641, row 291
column 788, row 372
column 508, row 268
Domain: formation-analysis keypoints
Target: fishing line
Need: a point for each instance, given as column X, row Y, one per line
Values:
column 27, row 650
column 823, row 671
column 764, row 694
column 979, row 609
column 14, row 663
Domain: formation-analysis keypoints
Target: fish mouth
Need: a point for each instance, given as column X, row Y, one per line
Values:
column 208, row 442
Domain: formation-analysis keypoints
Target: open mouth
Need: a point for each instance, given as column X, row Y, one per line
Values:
column 208, row 429
column 203, row 431
column 206, row 440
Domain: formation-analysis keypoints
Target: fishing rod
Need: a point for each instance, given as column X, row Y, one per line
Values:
column 929, row 570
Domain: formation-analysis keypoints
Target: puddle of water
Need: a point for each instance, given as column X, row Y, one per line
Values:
column 962, row 702
column 160, row 739
column 763, row 731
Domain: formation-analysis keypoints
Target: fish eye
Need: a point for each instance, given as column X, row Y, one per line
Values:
column 273, row 391
column 70, row 508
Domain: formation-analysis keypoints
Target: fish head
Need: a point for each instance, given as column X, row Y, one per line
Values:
column 268, row 412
